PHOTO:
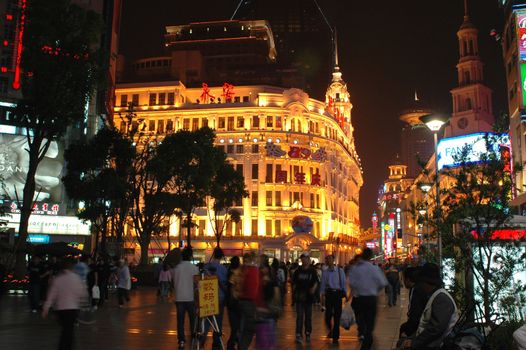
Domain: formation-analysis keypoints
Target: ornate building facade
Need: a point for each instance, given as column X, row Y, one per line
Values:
column 297, row 155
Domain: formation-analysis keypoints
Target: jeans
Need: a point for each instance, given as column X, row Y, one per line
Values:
column 365, row 312
column 164, row 287
column 248, row 323
column 66, row 319
column 184, row 307
column 333, row 309
column 234, row 318
column 392, row 294
column 303, row 314
column 34, row 290
column 123, row 294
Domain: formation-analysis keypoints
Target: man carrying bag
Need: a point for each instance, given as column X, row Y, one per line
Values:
column 333, row 289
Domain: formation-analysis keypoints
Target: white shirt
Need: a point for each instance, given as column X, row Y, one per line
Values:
column 366, row 279
column 124, row 278
column 66, row 292
column 183, row 281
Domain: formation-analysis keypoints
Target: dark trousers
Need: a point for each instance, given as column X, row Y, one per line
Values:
column 392, row 293
column 333, row 309
column 34, row 290
column 365, row 311
column 66, row 319
column 303, row 315
column 183, row 308
column 103, row 287
column 219, row 318
column 234, row 318
column 248, row 323
column 123, row 294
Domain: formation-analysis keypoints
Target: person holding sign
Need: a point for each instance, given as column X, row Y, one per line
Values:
column 183, row 281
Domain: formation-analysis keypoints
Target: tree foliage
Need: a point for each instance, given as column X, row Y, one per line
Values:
column 59, row 72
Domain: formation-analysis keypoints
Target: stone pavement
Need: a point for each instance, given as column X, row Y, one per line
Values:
column 150, row 324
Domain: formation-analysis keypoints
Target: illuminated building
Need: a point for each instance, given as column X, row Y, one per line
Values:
column 514, row 55
column 297, row 155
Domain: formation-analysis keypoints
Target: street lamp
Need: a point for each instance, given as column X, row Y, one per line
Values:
column 434, row 123
column 425, row 187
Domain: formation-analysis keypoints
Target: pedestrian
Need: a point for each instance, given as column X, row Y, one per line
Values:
column 123, row 282
column 104, row 273
column 366, row 281
column 183, row 281
column 250, row 285
column 36, row 273
column 393, row 277
column 440, row 313
column 234, row 311
column 417, row 302
column 165, row 281
column 333, row 289
column 305, row 280
column 215, row 268
column 93, row 283
column 82, row 269
column 65, row 295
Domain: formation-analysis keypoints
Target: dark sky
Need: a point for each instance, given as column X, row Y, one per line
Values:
column 387, row 50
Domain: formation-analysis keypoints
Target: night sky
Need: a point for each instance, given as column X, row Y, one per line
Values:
column 387, row 50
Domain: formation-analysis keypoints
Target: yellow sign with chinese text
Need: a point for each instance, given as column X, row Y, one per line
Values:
column 207, row 295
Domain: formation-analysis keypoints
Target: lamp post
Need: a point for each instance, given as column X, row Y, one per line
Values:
column 425, row 187
column 434, row 123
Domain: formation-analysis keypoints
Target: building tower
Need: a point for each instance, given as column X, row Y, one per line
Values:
column 337, row 97
column 472, row 104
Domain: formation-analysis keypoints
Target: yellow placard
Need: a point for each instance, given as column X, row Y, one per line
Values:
column 207, row 295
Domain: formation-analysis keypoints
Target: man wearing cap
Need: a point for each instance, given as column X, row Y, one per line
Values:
column 439, row 316
column 333, row 289
column 305, row 280
column 366, row 281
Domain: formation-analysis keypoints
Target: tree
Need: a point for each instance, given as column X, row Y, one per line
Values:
column 227, row 188
column 97, row 175
column 187, row 162
column 475, row 209
column 59, row 74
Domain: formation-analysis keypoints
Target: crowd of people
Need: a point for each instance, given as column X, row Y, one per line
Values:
column 252, row 289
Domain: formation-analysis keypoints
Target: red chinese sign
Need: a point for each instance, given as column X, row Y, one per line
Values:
column 298, row 152
column 316, row 179
column 281, row 176
column 299, row 178
column 206, row 96
column 228, row 92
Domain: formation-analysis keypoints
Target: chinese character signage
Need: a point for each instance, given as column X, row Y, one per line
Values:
column 295, row 152
column 208, row 295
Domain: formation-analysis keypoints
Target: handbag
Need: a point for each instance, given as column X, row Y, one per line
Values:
column 95, row 292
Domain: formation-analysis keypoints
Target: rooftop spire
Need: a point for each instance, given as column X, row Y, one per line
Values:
column 336, row 74
column 466, row 12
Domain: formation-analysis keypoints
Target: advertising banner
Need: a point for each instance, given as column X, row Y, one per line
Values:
column 521, row 33
column 208, row 295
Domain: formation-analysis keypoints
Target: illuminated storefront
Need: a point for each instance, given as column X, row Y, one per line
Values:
column 297, row 155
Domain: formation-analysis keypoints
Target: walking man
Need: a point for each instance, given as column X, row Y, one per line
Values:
column 333, row 289
column 183, row 281
column 366, row 281
column 304, row 280
column 123, row 282
column 65, row 295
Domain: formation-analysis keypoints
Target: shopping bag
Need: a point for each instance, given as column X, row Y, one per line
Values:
column 95, row 292
column 347, row 319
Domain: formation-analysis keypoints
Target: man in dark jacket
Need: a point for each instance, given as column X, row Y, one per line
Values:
column 417, row 302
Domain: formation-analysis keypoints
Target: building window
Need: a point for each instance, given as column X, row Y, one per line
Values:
column 255, row 148
column 240, row 122
column 312, row 203
column 153, row 99
column 221, row 123
column 202, row 225
column 135, row 99
column 160, row 126
column 254, row 227
column 230, row 149
column 270, row 121
column 255, row 170
column 124, row 100
column 268, row 227
column 254, row 198
column 186, row 124
column 268, row 176
column 230, row 126
column 317, row 201
column 268, row 198
column 151, row 125
column 277, row 228
column 204, row 122
column 239, row 228
column 245, row 99
column 255, row 122
column 162, row 98
column 169, row 125
column 278, row 122
column 278, row 198
column 171, row 98
column 240, row 149
column 195, row 124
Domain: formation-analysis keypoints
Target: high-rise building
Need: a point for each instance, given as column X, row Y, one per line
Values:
column 514, row 54
column 472, row 99
column 416, row 141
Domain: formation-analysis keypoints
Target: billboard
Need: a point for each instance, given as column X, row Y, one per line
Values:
column 449, row 148
column 521, row 33
column 14, row 164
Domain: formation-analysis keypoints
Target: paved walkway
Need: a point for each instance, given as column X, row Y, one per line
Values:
column 150, row 324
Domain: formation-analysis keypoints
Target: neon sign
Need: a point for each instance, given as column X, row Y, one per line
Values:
column 19, row 46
